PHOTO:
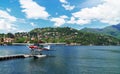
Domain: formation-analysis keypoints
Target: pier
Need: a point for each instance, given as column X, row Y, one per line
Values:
column 8, row 57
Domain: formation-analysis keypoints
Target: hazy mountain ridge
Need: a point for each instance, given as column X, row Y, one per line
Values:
column 113, row 30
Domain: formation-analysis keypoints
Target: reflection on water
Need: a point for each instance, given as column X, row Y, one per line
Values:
column 64, row 60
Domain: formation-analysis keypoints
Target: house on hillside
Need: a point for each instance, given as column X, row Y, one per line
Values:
column 8, row 40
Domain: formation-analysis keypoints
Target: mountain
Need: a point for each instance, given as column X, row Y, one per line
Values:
column 113, row 30
column 70, row 35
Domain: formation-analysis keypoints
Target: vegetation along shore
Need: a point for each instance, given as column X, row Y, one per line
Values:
column 59, row 35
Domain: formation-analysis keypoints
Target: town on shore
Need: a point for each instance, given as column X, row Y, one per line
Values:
column 65, row 35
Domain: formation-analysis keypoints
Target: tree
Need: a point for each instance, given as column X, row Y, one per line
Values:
column 10, row 35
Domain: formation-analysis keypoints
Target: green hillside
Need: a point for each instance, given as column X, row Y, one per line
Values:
column 70, row 35
column 60, row 35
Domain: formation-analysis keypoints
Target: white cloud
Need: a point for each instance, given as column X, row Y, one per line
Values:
column 9, row 10
column 63, row 1
column 8, row 26
column 67, row 5
column 7, row 21
column 91, row 3
column 107, row 12
column 7, row 16
column 79, row 21
column 56, row 13
column 71, row 21
column 33, row 10
column 82, row 22
column 32, row 24
column 59, row 21
column 63, row 16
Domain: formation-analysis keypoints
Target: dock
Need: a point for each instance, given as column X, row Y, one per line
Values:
column 8, row 57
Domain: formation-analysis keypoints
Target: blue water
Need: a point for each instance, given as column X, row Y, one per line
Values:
column 64, row 60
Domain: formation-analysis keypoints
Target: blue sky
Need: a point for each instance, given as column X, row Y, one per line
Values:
column 25, row 15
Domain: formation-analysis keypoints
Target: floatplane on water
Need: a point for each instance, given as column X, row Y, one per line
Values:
column 36, row 50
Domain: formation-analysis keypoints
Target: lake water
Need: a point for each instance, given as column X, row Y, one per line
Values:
column 64, row 60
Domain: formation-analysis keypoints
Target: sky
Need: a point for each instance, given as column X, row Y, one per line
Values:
column 25, row 15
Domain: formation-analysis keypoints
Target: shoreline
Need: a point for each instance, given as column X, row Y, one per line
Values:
column 25, row 44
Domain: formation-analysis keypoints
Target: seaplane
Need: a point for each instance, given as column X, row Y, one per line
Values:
column 36, row 50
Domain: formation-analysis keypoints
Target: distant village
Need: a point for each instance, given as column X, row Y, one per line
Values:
column 15, row 38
